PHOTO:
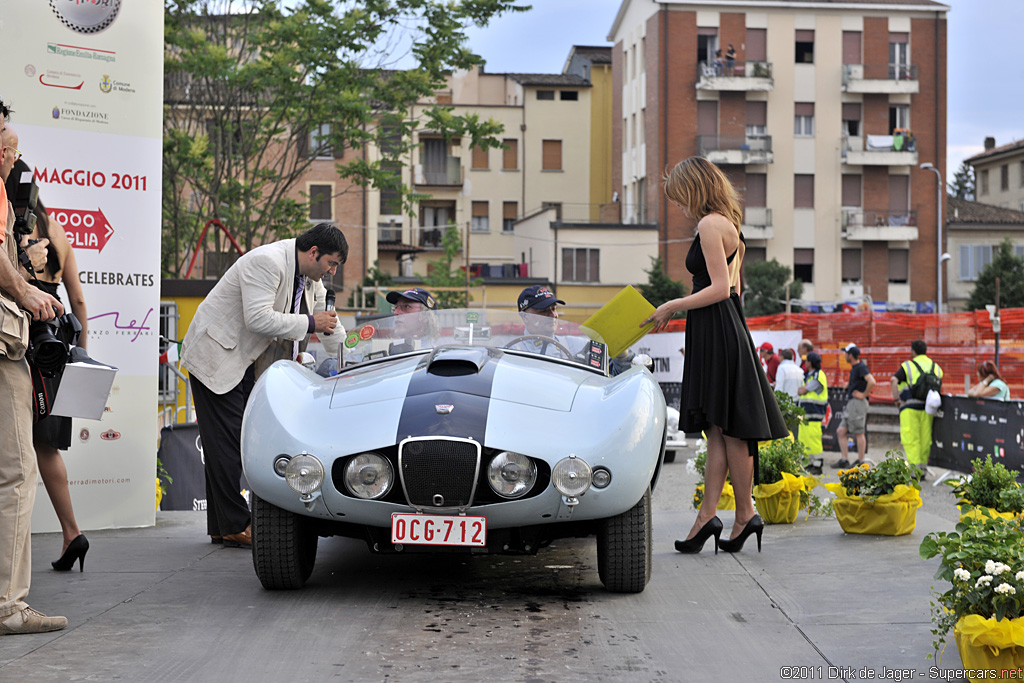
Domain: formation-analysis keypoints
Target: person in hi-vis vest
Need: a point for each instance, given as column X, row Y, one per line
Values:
column 915, row 423
column 814, row 400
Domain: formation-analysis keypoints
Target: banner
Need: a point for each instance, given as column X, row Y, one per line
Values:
column 85, row 82
column 966, row 429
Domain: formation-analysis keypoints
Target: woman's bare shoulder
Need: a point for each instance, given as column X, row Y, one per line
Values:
column 717, row 226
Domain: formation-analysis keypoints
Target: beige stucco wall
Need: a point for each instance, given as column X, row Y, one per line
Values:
column 1013, row 197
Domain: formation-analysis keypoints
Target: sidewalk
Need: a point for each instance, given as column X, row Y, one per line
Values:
column 162, row 604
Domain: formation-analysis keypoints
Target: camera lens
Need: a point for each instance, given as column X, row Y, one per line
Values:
column 47, row 353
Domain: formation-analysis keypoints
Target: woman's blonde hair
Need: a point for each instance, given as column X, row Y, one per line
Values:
column 702, row 188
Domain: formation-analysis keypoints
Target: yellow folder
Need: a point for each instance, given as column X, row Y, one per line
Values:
column 618, row 321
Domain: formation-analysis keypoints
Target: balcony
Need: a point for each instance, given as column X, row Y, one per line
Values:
column 736, row 149
column 861, row 225
column 880, row 79
column 880, row 150
column 446, row 174
column 757, row 223
column 742, row 77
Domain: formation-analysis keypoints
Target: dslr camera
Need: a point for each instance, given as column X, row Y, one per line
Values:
column 50, row 342
column 24, row 194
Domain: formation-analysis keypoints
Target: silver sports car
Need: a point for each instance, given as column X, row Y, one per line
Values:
column 473, row 431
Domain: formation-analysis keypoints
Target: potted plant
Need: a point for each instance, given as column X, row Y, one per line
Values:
column 990, row 486
column 696, row 465
column 878, row 500
column 785, row 488
column 983, row 561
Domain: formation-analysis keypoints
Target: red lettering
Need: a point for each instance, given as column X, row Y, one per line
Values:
column 80, row 178
column 65, row 176
column 428, row 531
column 399, row 528
column 39, row 175
column 448, row 530
column 412, row 530
column 479, row 529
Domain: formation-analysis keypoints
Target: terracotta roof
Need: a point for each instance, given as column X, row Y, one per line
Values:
column 398, row 247
column 995, row 151
column 595, row 53
column 961, row 211
column 550, row 79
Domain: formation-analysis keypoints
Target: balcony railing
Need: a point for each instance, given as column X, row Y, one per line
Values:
column 757, row 222
column 870, row 225
column 741, row 76
column 736, row 149
column 448, row 173
column 899, row 149
column 880, row 78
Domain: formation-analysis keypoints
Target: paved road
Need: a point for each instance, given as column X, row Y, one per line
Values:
column 161, row 604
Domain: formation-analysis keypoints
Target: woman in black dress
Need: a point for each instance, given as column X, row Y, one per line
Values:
column 725, row 391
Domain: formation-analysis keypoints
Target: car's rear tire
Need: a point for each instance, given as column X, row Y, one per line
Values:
column 624, row 548
column 283, row 546
column 670, row 456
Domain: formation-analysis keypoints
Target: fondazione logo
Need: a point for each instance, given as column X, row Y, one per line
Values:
column 86, row 16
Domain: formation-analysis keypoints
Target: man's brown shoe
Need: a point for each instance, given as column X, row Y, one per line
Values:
column 242, row 539
column 29, row 620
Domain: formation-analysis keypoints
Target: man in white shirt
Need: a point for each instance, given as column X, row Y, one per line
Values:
column 788, row 377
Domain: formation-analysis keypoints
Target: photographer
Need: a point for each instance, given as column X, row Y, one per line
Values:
column 52, row 434
column 17, row 461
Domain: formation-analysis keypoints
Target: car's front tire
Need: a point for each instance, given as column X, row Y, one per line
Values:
column 624, row 548
column 670, row 456
column 283, row 546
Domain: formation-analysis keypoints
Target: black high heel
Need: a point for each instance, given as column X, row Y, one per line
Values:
column 76, row 551
column 754, row 526
column 713, row 527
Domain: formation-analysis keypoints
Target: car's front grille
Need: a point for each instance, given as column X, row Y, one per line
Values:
column 439, row 473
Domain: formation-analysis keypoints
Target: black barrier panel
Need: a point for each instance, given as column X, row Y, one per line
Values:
column 966, row 429
column 181, row 452
column 836, row 408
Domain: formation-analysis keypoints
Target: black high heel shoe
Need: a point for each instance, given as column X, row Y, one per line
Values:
column 76, row 551
column 713, row 527
column 754, row 526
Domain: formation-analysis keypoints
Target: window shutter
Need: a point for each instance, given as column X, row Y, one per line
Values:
column 552, row 155
column 510, row 156
column 479, row 209
column 480, row 158
column 510, row 209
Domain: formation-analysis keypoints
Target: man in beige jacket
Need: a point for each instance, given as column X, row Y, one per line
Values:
column 268, row 302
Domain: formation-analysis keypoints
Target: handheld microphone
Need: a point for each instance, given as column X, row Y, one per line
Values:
column 329, row 301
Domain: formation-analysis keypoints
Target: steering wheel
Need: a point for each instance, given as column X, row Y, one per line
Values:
column 551, row 340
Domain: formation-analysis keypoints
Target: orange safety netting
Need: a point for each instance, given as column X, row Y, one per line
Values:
column 958, row 342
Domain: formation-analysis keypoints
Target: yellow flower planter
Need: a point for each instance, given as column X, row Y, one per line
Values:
column 779, row 502
column 894, row 514
column 728, row 499
column 976, row 513
column 159, row 493
column 990, row 644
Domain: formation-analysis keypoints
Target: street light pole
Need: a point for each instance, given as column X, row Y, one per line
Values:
column 938, row 234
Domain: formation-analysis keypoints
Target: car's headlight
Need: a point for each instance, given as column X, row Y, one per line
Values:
column 369, row 475
column 304, row 473
column 511, row 475
column 571, row 476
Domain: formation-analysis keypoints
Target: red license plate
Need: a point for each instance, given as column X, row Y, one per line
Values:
column 413, row 529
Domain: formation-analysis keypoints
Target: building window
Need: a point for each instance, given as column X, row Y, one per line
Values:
column 803, row 121
column 569, row 95
column 389, row 231
column 983, row 184
column 851, row 119
column 851, row 265
column 851, row 189
column 1022, row 174
column 803, row 191
column 973, row 259
column 545, row 94
column 435, row 218
column 1004, row 177
column 551, row 159
column 805, row 47
column 899, row 117
column 320, row 142
column 481, row 218
column 757, row 118
column 755, row 255
column 510, row 155
column 581, row 265
column 509, row 211
column 899, row 266
column 1018, row 251
column 320, row 202
column 391, row 197
column 803, row 265
column 480, row 161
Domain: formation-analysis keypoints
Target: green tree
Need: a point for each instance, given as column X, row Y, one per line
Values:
column 766, row 288
column 447, row 273
column 256, row 90
column 660, row 287
column 1010, row 271
column 962, row 186
column 374, row 277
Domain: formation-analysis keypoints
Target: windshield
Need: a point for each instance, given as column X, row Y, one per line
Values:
column 520, row 333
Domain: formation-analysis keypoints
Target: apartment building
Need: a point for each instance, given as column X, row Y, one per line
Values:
column 974, row 232
column 999, row 174
column 820, row 113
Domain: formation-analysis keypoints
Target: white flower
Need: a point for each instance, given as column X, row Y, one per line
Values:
column 990, row 567
column 997, row 568
column 983, row 581
column 1019, row 576
column 963, row 574
column 691, row 467
column 1006, row 589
